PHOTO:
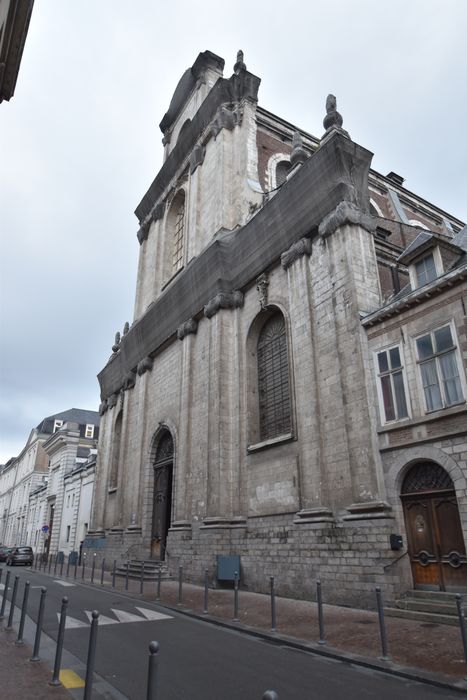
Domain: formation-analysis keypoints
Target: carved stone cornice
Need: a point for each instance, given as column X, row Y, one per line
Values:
column 346, row 213
column 145, row 365
column 223, row 300
column 296, row 251
column 186, row 328
column 157, row 212
column 103, row 406
column 112, row 400
column 226, row 118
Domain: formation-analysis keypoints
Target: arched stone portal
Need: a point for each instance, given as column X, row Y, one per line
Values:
column 434, row 534
column 162, row 499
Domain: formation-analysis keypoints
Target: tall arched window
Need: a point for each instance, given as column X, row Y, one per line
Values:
column 175, row 231
column 273, row 379
column 115, row 456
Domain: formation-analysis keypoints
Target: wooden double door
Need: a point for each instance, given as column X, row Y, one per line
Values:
column 434, row 537
column 162, row 496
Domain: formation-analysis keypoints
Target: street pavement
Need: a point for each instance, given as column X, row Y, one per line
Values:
column 197, row 660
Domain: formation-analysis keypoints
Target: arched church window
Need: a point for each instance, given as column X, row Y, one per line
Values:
column 165, row 448
column 115, row 455
column 273, row 379
column 176, row 225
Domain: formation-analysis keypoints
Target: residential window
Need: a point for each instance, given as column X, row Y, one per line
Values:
column 176, row 223
column 438, row 369
column 89, row 433
column 425, row 270
column 282, row 170
column 57, row 424
column 273, row 379
column 391, row 384
column 68, row 528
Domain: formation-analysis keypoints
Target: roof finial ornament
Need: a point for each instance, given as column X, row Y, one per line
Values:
column 298, row 154
column 116, row 345
column 240, row 65
column 333, row 120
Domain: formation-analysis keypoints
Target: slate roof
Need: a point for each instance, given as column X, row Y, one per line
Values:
column 75, row 415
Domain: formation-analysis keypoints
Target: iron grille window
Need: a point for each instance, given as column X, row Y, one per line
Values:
column 282, row 170
column 273, row 380
column 426, row 476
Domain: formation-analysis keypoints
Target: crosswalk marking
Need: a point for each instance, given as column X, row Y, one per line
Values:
column 153, row 615
column 124, row 616
column 64, row 583
column 72, row 623
column 103, row 620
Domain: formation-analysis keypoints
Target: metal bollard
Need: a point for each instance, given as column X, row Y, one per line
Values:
column 102, row 572
column 273, row 605
column 76, row 565
column 460, row 613
column 151, row 693
column 5, row 591
column 91, row 656
column 12, row 605
column 83, row 567
column 159, row 579
column 55, row 565
column 206, row 584
column 235, row 617
column 1, row 573
column 24, row 608
column 68, row 567
column 40, row 619
column 61, row 565
column 113, row 573
column 50, row 562
column 270, row 695
column 382, row 626
column 180, row 584
column 141, row 582
column 93, row 567
column 319, row 600
column 127, row 573
column 58, row 654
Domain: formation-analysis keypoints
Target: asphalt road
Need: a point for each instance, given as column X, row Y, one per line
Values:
column 197, row 660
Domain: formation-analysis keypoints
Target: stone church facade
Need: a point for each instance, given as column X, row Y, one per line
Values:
column 241, row 410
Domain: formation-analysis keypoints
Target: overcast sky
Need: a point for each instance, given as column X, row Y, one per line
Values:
column 80, row 145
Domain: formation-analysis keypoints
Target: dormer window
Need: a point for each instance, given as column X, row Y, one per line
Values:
column 425, row 270
column 57, row 425
column 89, row 431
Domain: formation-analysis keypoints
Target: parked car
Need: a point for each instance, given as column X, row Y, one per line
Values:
column 4, row 552
column 20, row 555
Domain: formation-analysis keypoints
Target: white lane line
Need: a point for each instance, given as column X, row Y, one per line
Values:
column 153, row 615
column 124, row 616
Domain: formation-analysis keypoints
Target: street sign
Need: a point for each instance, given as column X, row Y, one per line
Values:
column 45, row 528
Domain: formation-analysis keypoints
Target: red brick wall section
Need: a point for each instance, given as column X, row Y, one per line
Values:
column 267, row 146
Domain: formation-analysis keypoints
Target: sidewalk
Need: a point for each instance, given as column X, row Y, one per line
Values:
column 423, row 651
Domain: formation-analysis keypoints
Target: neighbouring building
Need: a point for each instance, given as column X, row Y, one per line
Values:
column 14, row 24
column 276, row 395
column 46, row 492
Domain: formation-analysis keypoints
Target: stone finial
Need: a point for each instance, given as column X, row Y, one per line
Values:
column 333, row 120
column 298, row 154
column 240, row 65
column 116, row 345
column 126, row 328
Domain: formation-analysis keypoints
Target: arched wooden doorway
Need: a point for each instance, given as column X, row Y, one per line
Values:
column 162, row 501
column 434, row 534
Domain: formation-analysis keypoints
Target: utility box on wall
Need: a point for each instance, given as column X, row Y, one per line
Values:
column 227, row 566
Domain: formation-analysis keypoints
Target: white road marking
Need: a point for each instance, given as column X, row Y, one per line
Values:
column 72, row 623
column 124, row 616
column 2, row 586
column 103, row 620
column 64, row 583
column 153, row 615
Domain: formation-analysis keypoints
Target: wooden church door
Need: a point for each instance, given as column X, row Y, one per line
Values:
column 162, row 499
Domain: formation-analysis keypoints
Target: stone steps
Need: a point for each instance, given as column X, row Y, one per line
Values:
column 150, row 572
column 437, row 607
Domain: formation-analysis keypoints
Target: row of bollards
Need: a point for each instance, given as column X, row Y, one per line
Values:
column 48, row 561
column 151, row 692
